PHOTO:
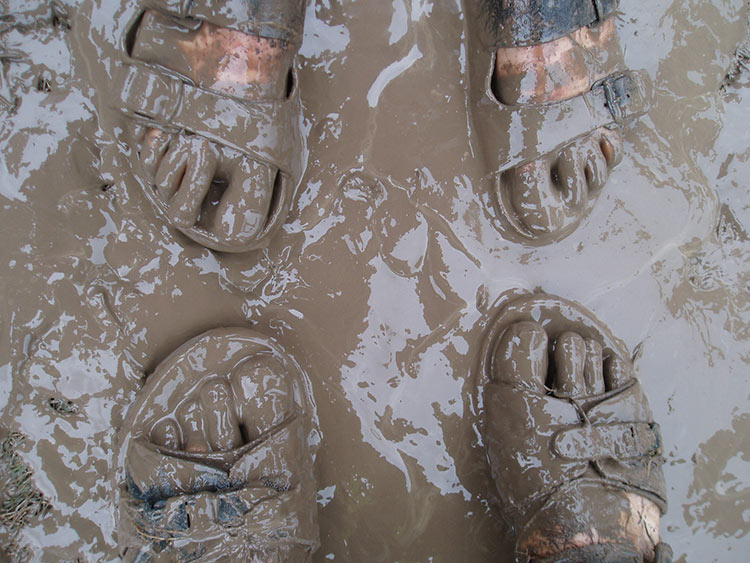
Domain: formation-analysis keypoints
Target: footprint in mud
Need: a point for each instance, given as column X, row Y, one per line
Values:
column 404, row 237
column 225, row 182
column 570, row 436
column 215, row 453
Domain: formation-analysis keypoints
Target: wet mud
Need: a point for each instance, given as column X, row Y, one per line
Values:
column 383, row 281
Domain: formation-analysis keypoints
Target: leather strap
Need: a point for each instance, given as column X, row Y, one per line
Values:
column 215, row 511
column 172, row 104
column 620, row 441
column 614, row 100
column 273, row 19
column 522, row 23
column 626, row 95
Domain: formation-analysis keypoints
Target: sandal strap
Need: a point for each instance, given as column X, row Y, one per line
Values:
column 257, row 500
column 619, row 440
column 170, row 103
column 273, row 19
column 613, row 101
column 621, row 97
column 525, row 23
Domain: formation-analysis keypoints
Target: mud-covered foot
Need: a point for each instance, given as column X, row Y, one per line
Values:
column 215, row 456
column 573, row 449
column 207, row 186
column 548, row 196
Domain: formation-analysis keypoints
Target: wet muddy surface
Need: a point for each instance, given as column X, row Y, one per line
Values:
column 384, row 279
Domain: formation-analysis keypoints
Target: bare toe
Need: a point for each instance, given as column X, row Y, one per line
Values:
column 570, row 358
column 171, row 168
column 222, row 428
column 569, row 175
column 191, row 419
column 593, row 370
column 595, row 169
column 166, row 433
column 154, row 146
column 185, row 205
column 610, row 144
column 617, row 372
column 244, row 207
column 536, row 203
column 263, row 395
column 521, row 356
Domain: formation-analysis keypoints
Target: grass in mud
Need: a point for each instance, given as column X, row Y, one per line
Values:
column 20, row 500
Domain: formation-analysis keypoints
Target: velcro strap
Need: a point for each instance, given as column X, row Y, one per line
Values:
column 170, row 103
column 546, row 127
column 621, row 97
column 522, row 23
column 620, row 441
column 274, row 19
column 214, row 511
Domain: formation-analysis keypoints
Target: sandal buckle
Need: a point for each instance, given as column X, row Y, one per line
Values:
column 624, row 96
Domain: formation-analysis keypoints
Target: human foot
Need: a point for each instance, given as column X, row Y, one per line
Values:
column 218, row 163
column 544, row 77
column 215, row 455
column 574, row 452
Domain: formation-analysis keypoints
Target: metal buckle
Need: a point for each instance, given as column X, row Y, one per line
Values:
column 621, row 92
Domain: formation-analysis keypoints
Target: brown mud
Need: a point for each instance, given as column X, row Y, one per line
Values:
column 383, row 280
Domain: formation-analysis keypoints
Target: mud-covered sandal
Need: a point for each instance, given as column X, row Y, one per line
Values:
column 214, row 461
column 549, row 156
column 212, row 94
column 574, row 451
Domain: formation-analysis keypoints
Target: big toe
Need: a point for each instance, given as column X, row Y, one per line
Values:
column 521, row 356
column 534, row 201
column 570, row 365
column 191, row 420
column 245, row 206
column 222, row 428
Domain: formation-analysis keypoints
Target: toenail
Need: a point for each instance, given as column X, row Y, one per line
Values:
column 607, row 150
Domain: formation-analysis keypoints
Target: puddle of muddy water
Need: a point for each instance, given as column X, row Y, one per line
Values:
column 383, row 280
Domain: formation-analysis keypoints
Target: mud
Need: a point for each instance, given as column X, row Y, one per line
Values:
column 383, row 279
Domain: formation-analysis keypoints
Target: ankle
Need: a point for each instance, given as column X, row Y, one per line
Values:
column 556, row 70
column 215, row 58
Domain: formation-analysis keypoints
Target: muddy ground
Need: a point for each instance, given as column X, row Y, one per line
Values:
column 385, row 277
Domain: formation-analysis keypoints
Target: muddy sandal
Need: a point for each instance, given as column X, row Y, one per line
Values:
column 571, row 442
column 214, row 457
column 549, row 159
column 215, row 111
